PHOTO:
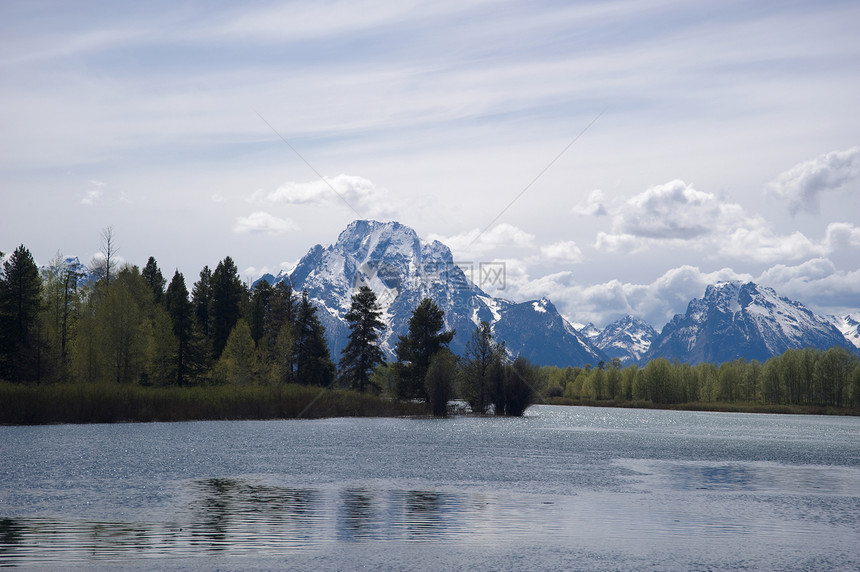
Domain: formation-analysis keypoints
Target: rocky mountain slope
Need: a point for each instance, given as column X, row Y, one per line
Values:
column 736, row 319
column 402, row 269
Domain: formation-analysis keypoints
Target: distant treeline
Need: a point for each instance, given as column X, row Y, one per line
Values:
column 804, row 377
column 124, row 327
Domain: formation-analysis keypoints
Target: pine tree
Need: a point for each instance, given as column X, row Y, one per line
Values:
column 415, row 349
column 228, row 293
column 154, row 279
column 201, row 299
column 20, row 305
column 310, row 350
column 180, row 310
column 261, row 297
column 362, row 353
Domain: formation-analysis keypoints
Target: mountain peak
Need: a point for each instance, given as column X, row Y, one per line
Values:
column 402, row 269
column 742, row 319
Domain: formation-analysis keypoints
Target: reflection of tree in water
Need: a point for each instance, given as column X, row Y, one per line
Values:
column 428, row 514
column 232, row 511
column 357, row 520
column 11, row 534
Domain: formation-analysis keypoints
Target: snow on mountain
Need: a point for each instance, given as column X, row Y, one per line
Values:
column 628, row 339
column 735, row 320
column 849, row 325
column 70, row 264
column 537, row 331
column 589, row 330
column 402, row 269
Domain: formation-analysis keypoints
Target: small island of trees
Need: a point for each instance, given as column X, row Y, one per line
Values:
column 127, row 345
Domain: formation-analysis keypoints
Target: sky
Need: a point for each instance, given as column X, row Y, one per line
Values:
column 614, row 156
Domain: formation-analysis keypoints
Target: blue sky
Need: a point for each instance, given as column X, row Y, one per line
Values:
column 726, row 145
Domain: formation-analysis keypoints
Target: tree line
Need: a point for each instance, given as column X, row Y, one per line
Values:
column 130, row 326
column 802, row 377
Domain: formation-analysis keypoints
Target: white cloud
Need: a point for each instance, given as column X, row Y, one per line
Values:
column 217, row 198
column 475, row 242
column 263, row 222
column 671, row 210
column 761, row 244
column 345, row 191
column 841, row 235
column 656, row 302
column 594, row 205
column 564, row 251
column 676, row 214
column 91, row 197
column 803, row 184
column 817, row 283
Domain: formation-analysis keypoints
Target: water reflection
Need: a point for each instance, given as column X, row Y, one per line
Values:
column 710, row 477
column 240, row 516
column 225, row 510
column 358, row 518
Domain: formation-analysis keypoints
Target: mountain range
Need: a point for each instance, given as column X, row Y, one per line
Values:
column 732, row 320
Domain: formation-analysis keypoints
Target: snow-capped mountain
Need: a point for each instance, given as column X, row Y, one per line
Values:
column 536, row 330
column 736, row 319
column 70, row 264
column 849, row 325
column 402, row 269
column 628, row 339
column 589, row 330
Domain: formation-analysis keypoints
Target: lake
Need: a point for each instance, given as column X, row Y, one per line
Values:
column 562, row 488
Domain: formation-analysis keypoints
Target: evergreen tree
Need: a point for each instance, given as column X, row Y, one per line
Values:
column 276, row 345
column 180, row 310
column 362, row 353
column 313, row 365
column 481, row 362
column 20, row 305
column 153, row 278
column 228, row 294
column 415, row 349
column 201, row 299
column 258, row 310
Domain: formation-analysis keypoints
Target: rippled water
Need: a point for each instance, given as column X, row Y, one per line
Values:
column 562, row 488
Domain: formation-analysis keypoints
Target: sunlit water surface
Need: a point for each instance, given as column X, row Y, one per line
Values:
column 562, row 488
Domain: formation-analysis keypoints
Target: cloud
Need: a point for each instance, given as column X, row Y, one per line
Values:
column 655, row 302
column 475, row 242
column 841, row 235
column 566, row 251
column 344, row 191
column 673, row 213
column 91, row 197
column 593, row 206
column 672, row 210
column 803, row 184
column 818, row 283
column 676, row 214
column 263, row 222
